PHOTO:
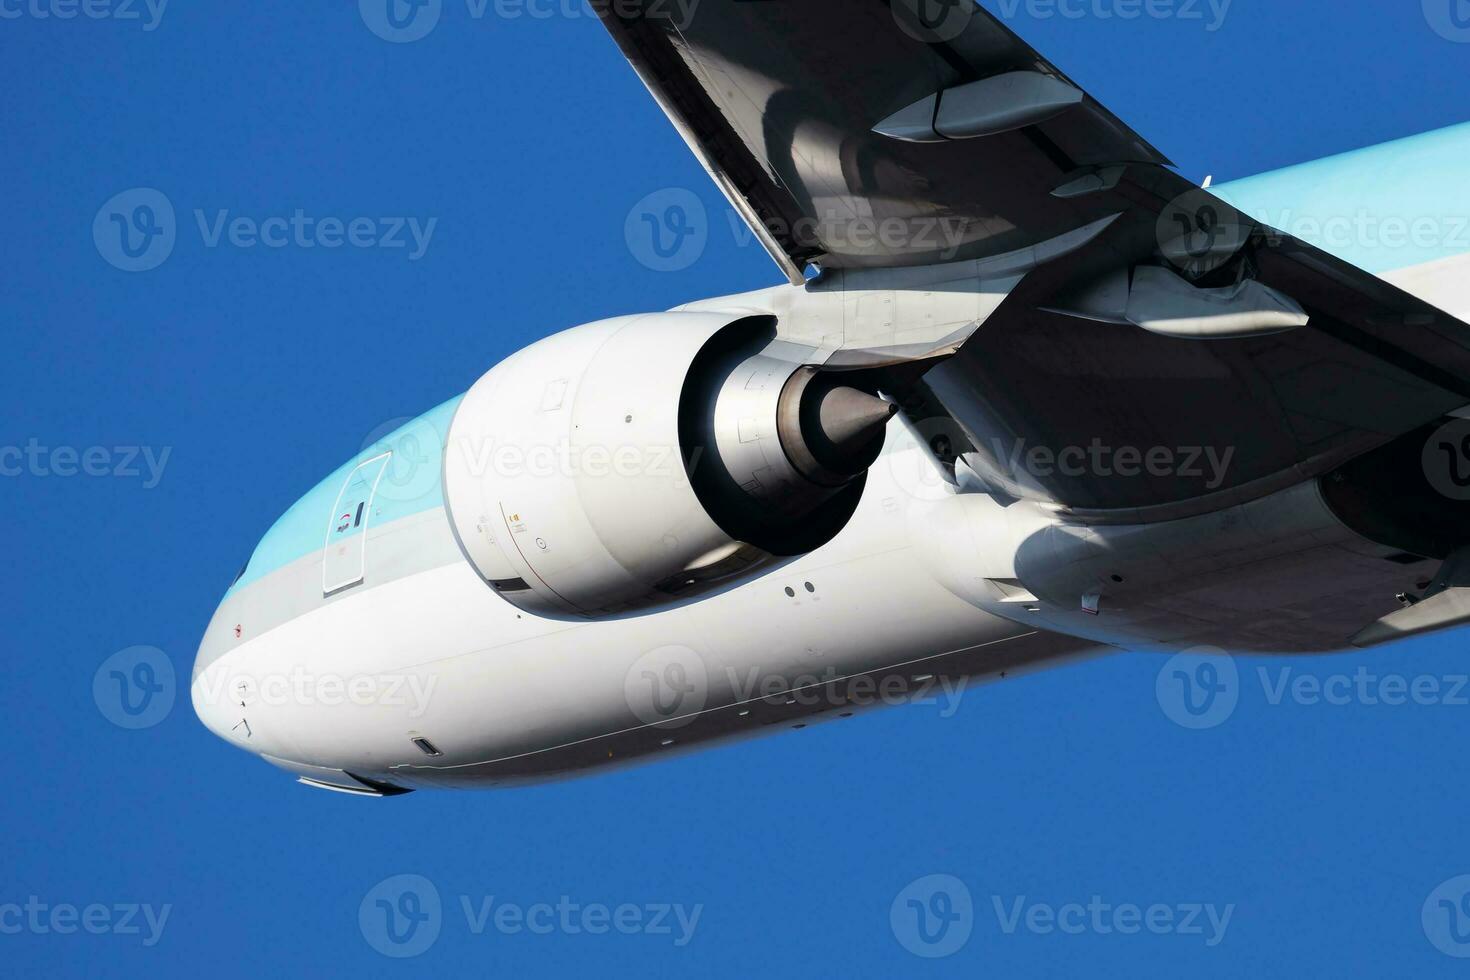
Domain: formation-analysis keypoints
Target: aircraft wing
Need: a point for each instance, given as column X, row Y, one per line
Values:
column 872, row 134
column 779, row 100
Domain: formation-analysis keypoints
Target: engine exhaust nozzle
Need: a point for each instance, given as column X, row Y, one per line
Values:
column 831, row 431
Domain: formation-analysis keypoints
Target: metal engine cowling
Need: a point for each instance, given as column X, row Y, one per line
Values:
column 628, row 464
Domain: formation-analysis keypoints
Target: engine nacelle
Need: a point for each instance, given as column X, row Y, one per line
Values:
column 632, row 463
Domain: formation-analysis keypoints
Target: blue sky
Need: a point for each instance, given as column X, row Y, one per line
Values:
column 244, row 373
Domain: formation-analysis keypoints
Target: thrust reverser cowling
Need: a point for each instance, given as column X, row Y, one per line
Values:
column 628, row 464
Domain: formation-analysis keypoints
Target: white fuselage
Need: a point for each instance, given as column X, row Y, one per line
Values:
column 415, row 673
column 506, row 695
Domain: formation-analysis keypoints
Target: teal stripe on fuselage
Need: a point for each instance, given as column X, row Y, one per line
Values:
column 410, row 485
column 1384, row 208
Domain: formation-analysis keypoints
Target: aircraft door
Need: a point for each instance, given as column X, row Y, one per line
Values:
column 345, row 555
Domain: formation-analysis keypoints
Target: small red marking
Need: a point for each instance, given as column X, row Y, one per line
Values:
column 237, row 631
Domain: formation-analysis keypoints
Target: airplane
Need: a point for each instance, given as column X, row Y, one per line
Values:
column 1026, row 396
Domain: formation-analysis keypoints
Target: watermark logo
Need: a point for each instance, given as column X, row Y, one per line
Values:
column 401, row 916
column 933, row 21
column 401, row 21
column 416, row 449
column 670, row 229
column 922, row 474
column 135, row 688
column 1198, row 233
column 303, row 688
column 1446, row 459
column 1450, row 19
column 667, row 230
column 135, row 230
column 1199, row 688
column 933, row 916
column 667, row 687
column 1446, row 917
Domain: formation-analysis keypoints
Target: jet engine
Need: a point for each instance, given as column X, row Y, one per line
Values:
column 632, row 463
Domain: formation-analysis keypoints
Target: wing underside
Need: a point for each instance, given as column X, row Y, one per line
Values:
column 866, row 135
column 779, row 99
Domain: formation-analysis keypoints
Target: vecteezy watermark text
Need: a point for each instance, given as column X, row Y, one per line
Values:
column 1097, row 458
column 934, row 917
column 1100, row 918
column 149, row 13
column 827, row 688
column 565, row 459
column 1364, row 229
column 669, row 229
column 123, row 462
column 669, row 686
column 1201, row 688
column 301, row 230
column 674, row 920
column 1210, row 13
column 96, row 918
column 403, row 915
column 406, row 21
column 301, row 687
column 137, row 229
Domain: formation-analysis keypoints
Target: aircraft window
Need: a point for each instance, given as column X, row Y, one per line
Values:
column 790, row 592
